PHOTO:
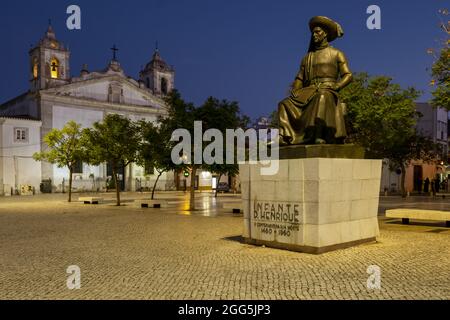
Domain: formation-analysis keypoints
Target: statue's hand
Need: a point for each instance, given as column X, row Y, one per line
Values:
column 336, row 87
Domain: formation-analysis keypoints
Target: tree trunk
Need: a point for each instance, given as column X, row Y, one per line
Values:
column 116, row 182
column 218, row 181
column 154, row 186
column 403, row 178
column 192, row 198
column 70, row 183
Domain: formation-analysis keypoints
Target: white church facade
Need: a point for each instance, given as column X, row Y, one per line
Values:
column 54, row 98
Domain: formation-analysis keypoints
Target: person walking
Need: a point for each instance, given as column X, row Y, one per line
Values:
column 437, row 185
column 426, row 185
column 433, row 187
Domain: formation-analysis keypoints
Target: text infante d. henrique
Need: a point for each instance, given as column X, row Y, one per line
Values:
column 279, row 212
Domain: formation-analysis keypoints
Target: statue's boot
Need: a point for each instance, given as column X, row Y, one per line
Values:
column 285, row 141
column 319, row 130
column 320, row 141
column 298, row 140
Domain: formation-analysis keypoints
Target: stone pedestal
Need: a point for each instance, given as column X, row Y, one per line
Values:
column 336, row 151
column 311, row 205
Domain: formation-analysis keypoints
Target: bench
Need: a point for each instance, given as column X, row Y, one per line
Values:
column 419, row 214
column 443, row 194
column 90, row 200
column 236, row 207
column 157, row 204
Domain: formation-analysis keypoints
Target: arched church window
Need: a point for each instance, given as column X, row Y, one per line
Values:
column 163, row 85
column 35, row 68
column 148, row 83
column 54, row 66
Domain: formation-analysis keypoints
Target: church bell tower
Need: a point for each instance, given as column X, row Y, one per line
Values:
column 49, row 63
column 158, row 76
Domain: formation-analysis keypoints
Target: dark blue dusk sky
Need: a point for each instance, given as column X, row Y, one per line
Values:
column 248, row 51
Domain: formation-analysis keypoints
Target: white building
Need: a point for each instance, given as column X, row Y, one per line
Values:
column 19, row 139
column 433, row 123
column 54, row 98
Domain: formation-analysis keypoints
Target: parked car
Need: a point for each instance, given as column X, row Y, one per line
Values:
column 223, row 187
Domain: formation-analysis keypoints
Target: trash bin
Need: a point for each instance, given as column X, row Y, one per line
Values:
column 46, row 186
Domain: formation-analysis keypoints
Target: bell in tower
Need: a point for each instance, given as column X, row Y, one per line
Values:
column 49, row 61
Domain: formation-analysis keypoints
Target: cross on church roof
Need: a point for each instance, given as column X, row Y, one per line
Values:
column 114, row 50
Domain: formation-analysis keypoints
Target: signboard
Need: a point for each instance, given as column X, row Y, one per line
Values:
column 26, row 190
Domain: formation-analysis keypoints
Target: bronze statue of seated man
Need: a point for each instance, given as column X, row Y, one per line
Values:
column 313, row 113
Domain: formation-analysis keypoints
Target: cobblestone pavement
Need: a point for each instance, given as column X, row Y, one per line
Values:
column 130, row 253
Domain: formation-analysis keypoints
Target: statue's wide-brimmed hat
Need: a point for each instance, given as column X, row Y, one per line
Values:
column 332, row 28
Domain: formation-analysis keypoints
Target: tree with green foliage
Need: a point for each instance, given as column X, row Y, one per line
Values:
column 156, row 149
column 66, row 149
column 214, row 114
column 441, row 68
column 116, row 140
column 181, row 115
column 222, row 115
column 274, row 120
column 382, row 118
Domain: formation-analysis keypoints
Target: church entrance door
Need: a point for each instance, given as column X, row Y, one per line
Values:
column 120, row 173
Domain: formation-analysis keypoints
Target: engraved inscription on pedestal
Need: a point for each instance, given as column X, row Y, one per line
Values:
column 276, row 221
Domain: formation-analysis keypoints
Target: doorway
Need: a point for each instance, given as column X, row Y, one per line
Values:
column 418, row 178
column 214, row 182
column 120, row 174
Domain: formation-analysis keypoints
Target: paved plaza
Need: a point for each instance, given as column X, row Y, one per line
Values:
column 132, row 253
